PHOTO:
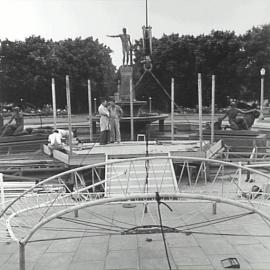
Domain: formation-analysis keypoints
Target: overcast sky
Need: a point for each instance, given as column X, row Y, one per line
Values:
column 61, row 19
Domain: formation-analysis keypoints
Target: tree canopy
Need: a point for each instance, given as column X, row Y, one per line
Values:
column 236, row 61
column 28, row 66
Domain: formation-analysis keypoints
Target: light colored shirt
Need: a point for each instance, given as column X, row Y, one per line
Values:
column 116, row 112
column 55, row 139
column 104, row 117
column 64, row 133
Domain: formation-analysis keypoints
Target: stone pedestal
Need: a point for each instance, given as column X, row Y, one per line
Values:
column 124, row 90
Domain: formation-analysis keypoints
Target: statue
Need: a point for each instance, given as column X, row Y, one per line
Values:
column 239, row 119
column 126, row 46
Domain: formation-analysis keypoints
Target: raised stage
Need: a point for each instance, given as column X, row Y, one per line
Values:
column 92, row 153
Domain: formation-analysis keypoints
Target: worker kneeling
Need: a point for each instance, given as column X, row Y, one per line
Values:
column 55, row 141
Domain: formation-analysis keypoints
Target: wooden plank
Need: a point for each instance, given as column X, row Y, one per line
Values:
column 232, row 132
column 214, row 149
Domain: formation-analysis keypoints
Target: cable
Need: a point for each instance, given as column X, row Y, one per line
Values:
column 70, row 237
column 166, row 93
column 88, row 152
column 214, row 221
column 158, row 199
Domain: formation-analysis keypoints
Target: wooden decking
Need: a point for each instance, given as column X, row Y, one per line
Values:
column 94, row 152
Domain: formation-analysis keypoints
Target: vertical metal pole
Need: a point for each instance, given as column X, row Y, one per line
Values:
column 69, row 114
column 54, row 104
column 172, row 109
column 131, row 110
column 90, row 110
column 200, row 108
column 118, row 86
column 2, row 191
column 213, row 110
column 22, row 256
column 95, row 105
column 150, row 104
column 239, row 185
column 146, row 13
column 262, row 97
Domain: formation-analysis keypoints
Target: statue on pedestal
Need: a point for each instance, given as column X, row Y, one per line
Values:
column 126, row 46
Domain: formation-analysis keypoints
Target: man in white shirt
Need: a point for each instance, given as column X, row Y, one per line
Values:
column 104, row 122
column 55, row 141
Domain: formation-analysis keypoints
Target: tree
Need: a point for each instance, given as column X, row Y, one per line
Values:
column 27, row 68
column 235, row 60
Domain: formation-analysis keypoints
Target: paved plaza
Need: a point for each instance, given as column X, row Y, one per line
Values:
column 94, row 241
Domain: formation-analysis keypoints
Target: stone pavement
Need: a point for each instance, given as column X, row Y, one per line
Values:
column 112, row 251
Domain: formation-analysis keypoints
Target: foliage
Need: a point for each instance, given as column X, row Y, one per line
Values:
column 28, row 66
column 235, row 60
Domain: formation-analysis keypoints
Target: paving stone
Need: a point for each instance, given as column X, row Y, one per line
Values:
column 91, row 265
column 8, row 248
column 143, row 238
column 205, row 232
column 265, row 241
column 189, row 256
column 181, row 240
column 155, row 263
column 93, row 240
column 57, row 261
column 242, row 240
column 254, row 253
column 15, row 266
column 154, row 249
column 32, row 253
column 86, row 252
column 260, row 266
column 132, row 252
column 4, row 257
column 122, row 259
column 123, row 242
column 195, row 267
column 67, row 245
column 215, row 246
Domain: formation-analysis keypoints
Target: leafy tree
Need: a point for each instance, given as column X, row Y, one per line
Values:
column 28, row 66
column 235, row 60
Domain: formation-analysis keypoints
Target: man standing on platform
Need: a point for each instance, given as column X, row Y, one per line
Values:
column 116, row 113
column 126, row 45
column 104, row 122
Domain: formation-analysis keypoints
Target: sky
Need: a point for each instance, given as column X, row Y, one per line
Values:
column 61, row 19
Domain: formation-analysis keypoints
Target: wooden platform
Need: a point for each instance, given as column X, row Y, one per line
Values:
column 238, row 140
column 96, row 153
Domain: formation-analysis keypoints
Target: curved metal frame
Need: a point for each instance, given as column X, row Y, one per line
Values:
column 133, row 159
column 126, row 197
column 149, row 196
column 100, row 201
